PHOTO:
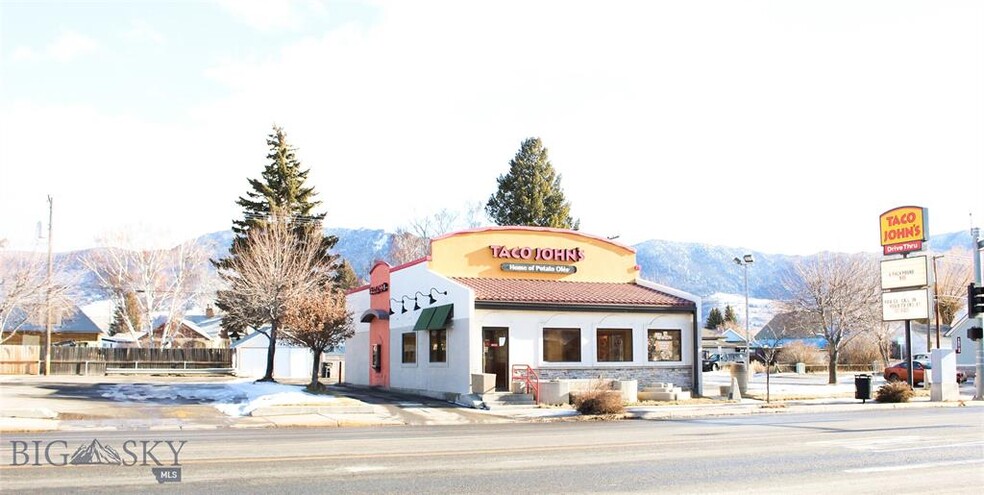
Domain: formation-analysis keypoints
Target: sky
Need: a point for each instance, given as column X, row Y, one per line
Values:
column 777, row 126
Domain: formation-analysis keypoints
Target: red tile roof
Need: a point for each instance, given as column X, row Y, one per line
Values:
column 570, row 293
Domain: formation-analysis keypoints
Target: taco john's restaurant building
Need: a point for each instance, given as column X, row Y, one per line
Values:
column 566, row 304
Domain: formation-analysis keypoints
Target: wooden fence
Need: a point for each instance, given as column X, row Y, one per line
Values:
column 27, row 359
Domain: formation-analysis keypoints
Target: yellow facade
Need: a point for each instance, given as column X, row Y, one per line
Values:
column 532, row 253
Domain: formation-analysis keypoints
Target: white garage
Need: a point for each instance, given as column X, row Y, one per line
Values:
column 249, row 358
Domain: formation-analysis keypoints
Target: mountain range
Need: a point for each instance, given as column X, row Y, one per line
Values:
column 705, row 270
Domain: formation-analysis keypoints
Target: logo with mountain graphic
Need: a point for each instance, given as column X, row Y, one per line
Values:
column 95, row 453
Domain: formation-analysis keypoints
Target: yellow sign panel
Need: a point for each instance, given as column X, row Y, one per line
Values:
column 904, row 224
column 532, row 253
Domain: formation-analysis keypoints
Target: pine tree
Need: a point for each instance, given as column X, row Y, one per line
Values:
column 729, row 314
column 345, row 277
column 131, row 311
column 279, row 189
column 530, row 193
column 714, row 319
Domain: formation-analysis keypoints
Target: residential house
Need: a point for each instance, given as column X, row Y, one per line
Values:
column 193, row 330
column 794, row 326
column 71, row 327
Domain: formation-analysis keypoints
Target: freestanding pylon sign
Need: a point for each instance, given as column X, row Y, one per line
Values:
column 904, row 281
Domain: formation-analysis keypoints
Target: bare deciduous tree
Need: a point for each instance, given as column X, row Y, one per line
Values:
column 954, row 271
column 413, row 241
column 279, row 263
column 166, row 281
column 24, row 292
column 319, row 321
column 842, row 292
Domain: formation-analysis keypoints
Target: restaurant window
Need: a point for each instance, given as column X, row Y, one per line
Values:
column 664, row 345
column 409, row 348
column 439, row 346
column 614, row 344
column 561, row 345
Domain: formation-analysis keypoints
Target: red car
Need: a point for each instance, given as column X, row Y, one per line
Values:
column 900, row 372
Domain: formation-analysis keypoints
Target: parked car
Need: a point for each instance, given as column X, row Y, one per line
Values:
column 900, row 372
column 714, row 362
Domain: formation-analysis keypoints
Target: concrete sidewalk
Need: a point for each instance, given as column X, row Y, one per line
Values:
column 81, row 404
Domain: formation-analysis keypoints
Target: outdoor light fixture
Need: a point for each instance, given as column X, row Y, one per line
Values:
column 746, row 260
column 431, row 292
column 391, row 306
column 404, row 303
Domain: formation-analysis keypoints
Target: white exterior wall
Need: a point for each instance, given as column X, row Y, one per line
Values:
column 357, row 346
column 452, row 376
column 464, row 335
column 526, row 335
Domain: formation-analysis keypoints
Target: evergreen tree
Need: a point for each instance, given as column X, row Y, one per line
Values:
column 130, row 310
column 280, row 187
column 280, row 192
column 345, row 277
column 530, row 193
column 714, row 319
column 729, row 314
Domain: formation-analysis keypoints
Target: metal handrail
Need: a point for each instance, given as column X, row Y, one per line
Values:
column 526, row 374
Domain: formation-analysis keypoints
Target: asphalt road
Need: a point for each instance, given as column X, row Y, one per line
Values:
column 906, row 450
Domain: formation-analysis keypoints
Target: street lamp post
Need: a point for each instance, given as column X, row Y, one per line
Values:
column 745, row 261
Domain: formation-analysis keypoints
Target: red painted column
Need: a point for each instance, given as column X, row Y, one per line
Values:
column 379, row 299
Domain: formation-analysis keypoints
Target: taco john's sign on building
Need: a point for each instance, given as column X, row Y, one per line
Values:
column 561, row 255
column 904, row 229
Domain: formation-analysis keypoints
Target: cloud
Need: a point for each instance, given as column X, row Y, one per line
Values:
column 271, row 15
column 23, row 53
column 69, row 45
column 142, row 32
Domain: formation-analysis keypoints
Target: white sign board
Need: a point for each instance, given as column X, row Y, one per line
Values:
column 905, row 272
column 905, row 305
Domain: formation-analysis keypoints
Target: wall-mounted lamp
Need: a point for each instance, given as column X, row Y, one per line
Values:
column 404, row 303
column 431, row 292
column 391, row 306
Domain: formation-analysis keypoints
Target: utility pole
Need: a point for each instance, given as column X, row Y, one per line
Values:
column 936, row 303
column 975, row 237
column 47, row 341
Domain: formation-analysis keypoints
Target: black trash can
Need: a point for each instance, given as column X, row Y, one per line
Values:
column 862, row 387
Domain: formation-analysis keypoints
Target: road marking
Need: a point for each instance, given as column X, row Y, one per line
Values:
column 362, row 469
column 927, row 447
column 907, row 467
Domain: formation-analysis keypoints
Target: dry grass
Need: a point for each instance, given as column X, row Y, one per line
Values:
column 894, row 392
column 599, row 402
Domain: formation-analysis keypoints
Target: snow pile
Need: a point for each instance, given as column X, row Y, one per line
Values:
column 271, row 394
column 234, row 398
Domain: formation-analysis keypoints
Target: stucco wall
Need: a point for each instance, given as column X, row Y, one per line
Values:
column 526, row 343
column 452, row 376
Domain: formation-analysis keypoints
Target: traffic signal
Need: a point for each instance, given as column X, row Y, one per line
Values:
column 975, row 300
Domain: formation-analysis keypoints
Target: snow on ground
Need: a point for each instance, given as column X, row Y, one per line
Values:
column 233, row 398
column 805, row 385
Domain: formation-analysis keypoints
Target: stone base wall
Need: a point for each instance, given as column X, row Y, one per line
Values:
column 646, row 376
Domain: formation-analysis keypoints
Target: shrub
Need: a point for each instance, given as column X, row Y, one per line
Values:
column 599, row 402
column 799, row 352
column 861, row 350
column 894, row 392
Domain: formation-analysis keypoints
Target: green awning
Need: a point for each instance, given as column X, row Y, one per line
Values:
column 434, row 318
